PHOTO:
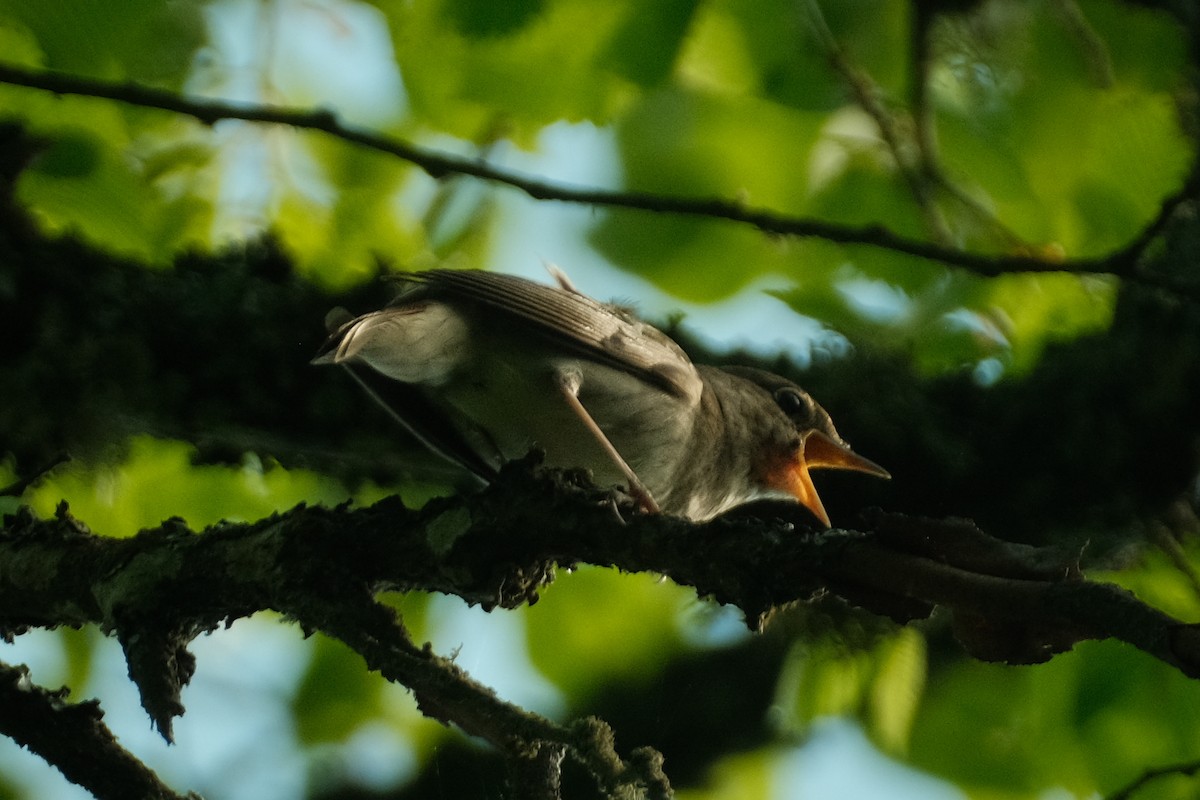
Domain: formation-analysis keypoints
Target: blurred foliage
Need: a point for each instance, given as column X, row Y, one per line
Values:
column 158, row 480
column 1163, row 574
column 831, row 677
column 1089, row 721
column 1058, row 130
column 523, row 65
column 149, row 41
column 1057, row 127
column 337, row 698
column 582, row 658
column 1051, row 158
column 744, row 777
column 8, row 476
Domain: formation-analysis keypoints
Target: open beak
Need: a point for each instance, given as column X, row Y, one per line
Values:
column 821, row 452
column 818, row 451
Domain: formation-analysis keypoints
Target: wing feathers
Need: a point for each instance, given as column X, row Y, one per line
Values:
column 591, row 329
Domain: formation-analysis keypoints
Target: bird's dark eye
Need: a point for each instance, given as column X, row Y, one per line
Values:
column 791, row 401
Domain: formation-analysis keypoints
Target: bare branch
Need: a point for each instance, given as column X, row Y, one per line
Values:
column 321, row 567
column 538, row 777
column 448, row 694
column 1122, row 263
column 498, row 548
column 74, row 738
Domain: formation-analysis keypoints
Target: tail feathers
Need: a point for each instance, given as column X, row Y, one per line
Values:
column 340, row 323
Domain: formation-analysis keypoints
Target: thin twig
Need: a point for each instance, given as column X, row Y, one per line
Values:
column 439, row 164
column 445, row 692
column 868, row 96
column 920, row 31
column 924, row 17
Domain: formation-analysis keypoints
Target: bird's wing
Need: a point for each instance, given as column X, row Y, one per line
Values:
column 426, row 420
column 591, row 329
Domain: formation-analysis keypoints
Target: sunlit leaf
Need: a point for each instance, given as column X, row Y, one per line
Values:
column 677, row 142
column 1089, row 720
column 739, row 777
column 471, row 71
column 831, row 680
column 413, row 610
column 579, row 636
column 1058, row 115
column 1160, row 579
column 881, row 684
column 80, row 648
column 157, row 480
column 8, row 476
column 896, row 690
column 1039, row 309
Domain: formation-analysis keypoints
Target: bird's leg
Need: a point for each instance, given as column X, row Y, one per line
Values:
column 570, row 390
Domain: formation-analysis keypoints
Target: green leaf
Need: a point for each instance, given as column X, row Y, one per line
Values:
column 346, row 227
column 156, row 480
column 71, row 155
column 1137, row 156
column 1088, row 721
column 147, row 40
column 472, row 70
column 8, row 476
column 769, row 48
column 413, row 610
column 896, row 690
column 85, row 186
column 830, row 680
column 745, row 776
column 1067, row 107
column 645, row 46
column 692, row 144
column 882, row 685
column 481, row 18
column 580, row 637
column 336, row 694
column 1159, row 580
column 80, row 649
column 1035, row 310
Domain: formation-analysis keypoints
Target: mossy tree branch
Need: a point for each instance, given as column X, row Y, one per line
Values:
column 322, row 567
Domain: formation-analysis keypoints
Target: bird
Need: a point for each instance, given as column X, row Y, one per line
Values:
column 483, row 366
